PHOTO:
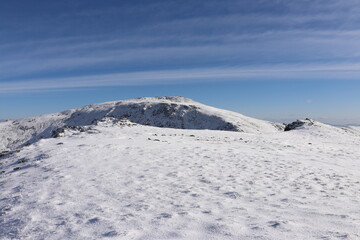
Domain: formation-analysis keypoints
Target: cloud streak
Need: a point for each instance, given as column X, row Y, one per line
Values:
column 280, row 72
column 132, row 44
column 279, row 47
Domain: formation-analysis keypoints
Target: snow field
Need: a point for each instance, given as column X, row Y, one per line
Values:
column 145, row 182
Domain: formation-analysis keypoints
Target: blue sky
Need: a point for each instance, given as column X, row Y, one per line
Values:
column 277, row 60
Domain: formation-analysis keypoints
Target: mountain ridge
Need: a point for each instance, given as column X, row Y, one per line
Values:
column 168, row 111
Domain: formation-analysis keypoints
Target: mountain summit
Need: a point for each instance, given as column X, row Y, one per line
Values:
column 169, row 112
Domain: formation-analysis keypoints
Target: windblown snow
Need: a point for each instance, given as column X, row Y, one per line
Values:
column 106, row 177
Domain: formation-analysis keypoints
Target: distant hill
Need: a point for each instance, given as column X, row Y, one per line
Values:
column 169, row 112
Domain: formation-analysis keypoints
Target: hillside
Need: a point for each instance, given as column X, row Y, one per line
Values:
column 169, row 112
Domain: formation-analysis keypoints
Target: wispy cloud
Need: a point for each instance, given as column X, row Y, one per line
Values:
column 213, row 41
column 279, row 72
column 272, row 47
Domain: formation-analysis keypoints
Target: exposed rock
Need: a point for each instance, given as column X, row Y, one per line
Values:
column 298, row 124
column 61, row 131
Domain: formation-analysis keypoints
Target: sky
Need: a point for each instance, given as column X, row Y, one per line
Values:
column 278, row 60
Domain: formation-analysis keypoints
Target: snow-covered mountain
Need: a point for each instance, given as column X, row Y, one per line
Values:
column 120, row 180
column 142, row 169
column 169, row 112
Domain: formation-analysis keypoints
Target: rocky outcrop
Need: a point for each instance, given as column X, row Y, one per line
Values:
column 299, row 124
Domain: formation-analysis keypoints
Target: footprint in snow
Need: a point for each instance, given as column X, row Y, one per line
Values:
column 93, row 220
column 233, row 195
column 274, row 224
column 164, row 215
column 110, row 234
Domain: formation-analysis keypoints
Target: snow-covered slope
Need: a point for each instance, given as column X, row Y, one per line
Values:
column 121, row 180
column 352, row 129
column 170, row 112
column 21, row 132
column 315, row 127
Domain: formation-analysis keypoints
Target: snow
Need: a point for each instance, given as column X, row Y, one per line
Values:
column 121, row 180
column 171, row 112
column 352, row 129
